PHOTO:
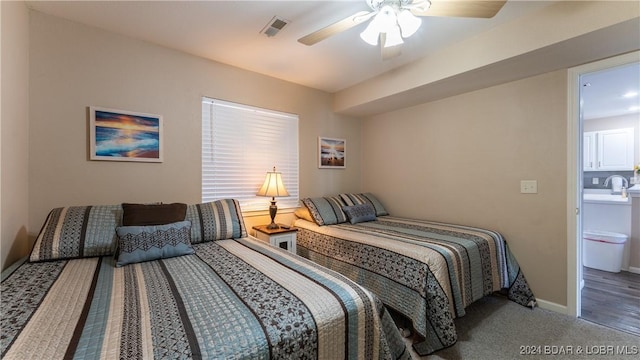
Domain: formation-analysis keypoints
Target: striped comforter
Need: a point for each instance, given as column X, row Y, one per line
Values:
column 427, row 271
column 231, row 299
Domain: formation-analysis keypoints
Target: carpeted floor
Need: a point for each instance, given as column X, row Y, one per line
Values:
column 496, row 328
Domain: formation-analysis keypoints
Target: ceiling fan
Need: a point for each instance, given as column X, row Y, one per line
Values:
column 393, row 20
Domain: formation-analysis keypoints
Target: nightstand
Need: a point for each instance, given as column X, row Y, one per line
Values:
column 282, row 238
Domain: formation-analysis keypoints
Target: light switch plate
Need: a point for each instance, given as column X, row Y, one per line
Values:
column 528, row 186
column 595, row 181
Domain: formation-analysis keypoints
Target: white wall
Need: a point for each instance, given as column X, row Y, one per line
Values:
column 15, row 131
column 74, row 66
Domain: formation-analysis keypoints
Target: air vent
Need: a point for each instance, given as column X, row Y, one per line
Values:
column 274, row 26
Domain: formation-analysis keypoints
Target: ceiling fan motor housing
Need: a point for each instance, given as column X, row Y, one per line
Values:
column 392, row 20
column 376, row 5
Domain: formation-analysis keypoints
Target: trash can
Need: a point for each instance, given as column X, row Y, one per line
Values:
column 603, row 250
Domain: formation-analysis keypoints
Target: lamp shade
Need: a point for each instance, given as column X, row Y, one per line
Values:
column 393, row 37
column 394, row 19
column 371, row 34
column 273, row 185
column 409, row 23
column 386, row 19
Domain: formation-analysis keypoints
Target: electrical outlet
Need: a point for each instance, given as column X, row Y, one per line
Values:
column 595, row 181
column 528, row 186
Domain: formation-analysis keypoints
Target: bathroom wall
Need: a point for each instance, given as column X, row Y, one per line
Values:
column 588, row 177
column 616, row 218
column 634, row 239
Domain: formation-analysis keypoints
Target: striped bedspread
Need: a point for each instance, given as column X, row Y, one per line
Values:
column 429, row 272
column 232, row 299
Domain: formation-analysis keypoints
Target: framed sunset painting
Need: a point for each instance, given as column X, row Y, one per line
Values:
column 332, row 153
column 119, row 135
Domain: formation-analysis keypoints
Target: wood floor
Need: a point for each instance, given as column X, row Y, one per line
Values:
column 612, row 299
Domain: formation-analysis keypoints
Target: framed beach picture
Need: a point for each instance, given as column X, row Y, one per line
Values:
column 332, row 153
column 119, row 135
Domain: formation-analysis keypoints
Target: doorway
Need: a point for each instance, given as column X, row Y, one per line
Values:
column 581, row 108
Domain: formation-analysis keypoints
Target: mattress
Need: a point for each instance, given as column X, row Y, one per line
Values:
column 231, row 299
column 427, row 271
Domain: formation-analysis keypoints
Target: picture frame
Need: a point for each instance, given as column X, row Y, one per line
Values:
column 120, row 135
column 332, row 153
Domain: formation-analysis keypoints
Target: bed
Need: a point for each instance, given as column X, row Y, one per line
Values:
column 427, row 271
column 224, row 296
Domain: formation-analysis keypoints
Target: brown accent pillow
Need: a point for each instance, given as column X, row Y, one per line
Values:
column 156, row 214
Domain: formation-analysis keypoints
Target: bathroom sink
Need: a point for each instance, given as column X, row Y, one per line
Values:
column 605, row 198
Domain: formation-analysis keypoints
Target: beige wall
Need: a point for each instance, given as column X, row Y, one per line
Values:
column 461, row 159
column 75, row 66
column 15, row 131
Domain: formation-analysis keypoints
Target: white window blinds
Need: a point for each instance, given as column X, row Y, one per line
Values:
column 239, row 145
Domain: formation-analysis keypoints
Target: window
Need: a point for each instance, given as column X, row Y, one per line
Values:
column 239, row 145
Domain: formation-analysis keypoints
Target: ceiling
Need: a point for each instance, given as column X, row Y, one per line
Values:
column 230, row 32
column 611, row 92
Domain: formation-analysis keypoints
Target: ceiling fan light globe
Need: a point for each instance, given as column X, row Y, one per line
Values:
column 393, row 37
column 371, row 34
column 408, row 22
column 386, row 19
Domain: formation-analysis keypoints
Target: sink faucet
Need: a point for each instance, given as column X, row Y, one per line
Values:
column 624, row 180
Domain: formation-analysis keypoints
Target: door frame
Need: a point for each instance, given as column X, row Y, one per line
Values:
column 574, row 173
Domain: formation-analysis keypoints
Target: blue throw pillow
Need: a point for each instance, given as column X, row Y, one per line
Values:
column 78, row 232
column 364, row 198
column 360, row 213
column 326, row 210
column 216, row 220
column 145, row 243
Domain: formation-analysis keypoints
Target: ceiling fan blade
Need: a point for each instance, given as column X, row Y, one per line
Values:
column 390, row 51
column 335, row 28
column 461, row 8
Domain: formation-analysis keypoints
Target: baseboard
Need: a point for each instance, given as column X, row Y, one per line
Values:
column 548, row 305
column 634, row 270
column 562, row 309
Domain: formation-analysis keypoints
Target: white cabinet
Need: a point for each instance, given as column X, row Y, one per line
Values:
column 608, row 150
column 281, row 237
column 589, row 146
column 615, row 149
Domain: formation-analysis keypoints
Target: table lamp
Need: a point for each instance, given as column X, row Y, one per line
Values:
column 273, row 187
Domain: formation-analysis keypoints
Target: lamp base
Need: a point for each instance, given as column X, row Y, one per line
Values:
column 273, row 209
